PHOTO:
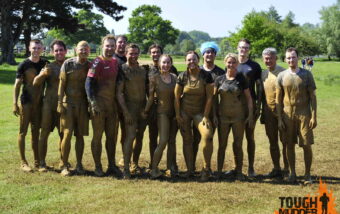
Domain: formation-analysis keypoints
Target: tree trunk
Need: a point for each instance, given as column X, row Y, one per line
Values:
column 10, row 29
column 7, row 41
column 27, row 39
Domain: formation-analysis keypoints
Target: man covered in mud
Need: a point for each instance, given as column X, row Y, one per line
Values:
column 50, row 117
column 296, row 109
column 131, row 95
column 269, row 115
column 72, row 105
column 101, row 93
column 29, row 109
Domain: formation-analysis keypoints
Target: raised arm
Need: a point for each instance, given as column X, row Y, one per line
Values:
column 40, row 79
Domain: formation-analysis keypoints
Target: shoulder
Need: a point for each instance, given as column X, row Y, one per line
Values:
column 96, row 62
column 182, row 78
column 264, row 74
column 219, row 71
column 173, row 76
column 43, row 61
column 220, row 78
column 254, row 65
column 70, row 61
column 182, row 74
column 240, row 76
column 282, row 74
column 306, row 72
column 124, row 67
column 279, row 68
column 23, row 63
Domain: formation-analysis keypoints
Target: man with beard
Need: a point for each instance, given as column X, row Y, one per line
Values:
column 30, row 101
column 101, row 92
column 50, row 117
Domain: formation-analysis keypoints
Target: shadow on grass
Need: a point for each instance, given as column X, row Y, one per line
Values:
column 180, row 178
column 7, row 75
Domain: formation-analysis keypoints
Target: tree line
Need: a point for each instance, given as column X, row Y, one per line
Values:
column 22, row 19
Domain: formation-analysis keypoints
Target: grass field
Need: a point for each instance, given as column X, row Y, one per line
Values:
column 50, row 193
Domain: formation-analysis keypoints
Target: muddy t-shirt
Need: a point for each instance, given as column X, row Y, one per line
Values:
column 135, row 80
column 26, row 71
column 52, row 82
column 296, row 88
column 104, row 73
column 230, row 107
column 165, row 93
column 269, row 86
column 74, row 75
column 194, row 92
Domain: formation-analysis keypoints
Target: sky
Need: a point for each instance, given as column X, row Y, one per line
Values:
column 218, row 17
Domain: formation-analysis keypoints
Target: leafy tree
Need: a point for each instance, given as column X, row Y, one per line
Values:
column 92, row 31
column 187, row 45
column 183, row 35
column 34, row 15
column 330, row 28
column 288, row 21
column 226, row 47
column 199, row 36
column 146, row 27
column 264, row 31
column 259, row 30
column 273, row 15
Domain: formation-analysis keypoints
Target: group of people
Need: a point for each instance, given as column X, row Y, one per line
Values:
column 307, row 63
column 116, row 89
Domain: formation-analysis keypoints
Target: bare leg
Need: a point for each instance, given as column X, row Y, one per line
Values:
column 139, row 141
column 187, row 135
column 130, row 136
column 96, row 143
column 250, row 149
column 206, row 138
column 238, row 132
column 223, row 133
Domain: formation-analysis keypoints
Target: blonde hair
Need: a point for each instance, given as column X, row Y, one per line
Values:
column 231, row 55
column 108, row 37
column 83, row 43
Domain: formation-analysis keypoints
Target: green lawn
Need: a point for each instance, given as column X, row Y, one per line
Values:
column 50, row 193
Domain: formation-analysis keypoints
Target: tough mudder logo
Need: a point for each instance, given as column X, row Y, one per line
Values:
column 323, row 202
